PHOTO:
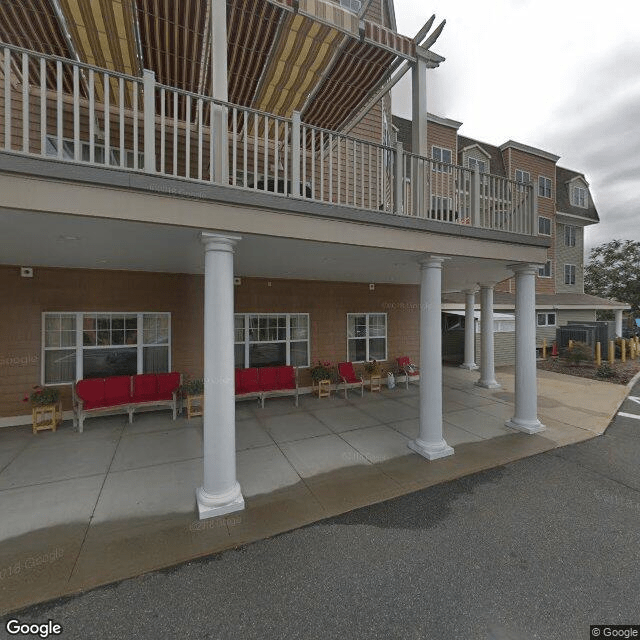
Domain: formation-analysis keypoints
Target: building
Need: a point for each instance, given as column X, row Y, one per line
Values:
column 218, row 187
column 565, row 207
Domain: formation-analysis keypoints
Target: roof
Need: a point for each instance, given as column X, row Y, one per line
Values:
column 496, row 163
column 563, row 195
column 404, row 127
column 543, row 301
column 280, row 52
column 525, row 148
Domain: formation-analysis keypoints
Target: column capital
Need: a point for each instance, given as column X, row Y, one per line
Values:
column 486, row 285
column 427, row 262
column 525, row 268
column 218, row 242
column 469, row 292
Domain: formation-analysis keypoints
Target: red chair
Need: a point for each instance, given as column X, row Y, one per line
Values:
column 408, row 368
column 349, row 378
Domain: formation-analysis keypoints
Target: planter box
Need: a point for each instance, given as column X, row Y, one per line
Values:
column 322, row 388
column 47, row 416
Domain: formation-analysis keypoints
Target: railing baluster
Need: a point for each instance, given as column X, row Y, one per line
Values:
column 107, row 119
column 339, row 164
column 330, row 195
column 25, row 102
column 265, row 152
column 43, row 107
column 255, row 150
column 7, row 99
column 135, row 89
column 234, row 150
column 200, row 145
column 276, row 158
column 187, row 141
column 303, row 148
column 59, row 108
column 175, row 133
column 286, row 157
column 245, row 143
column 163, row 141
column 313, row 164
column 121, row 118
column 321, row 165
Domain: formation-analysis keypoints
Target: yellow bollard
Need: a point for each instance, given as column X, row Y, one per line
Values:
column 612, row 351
column 570, row 345
column 598, row 354
column 544, row 348
column 623, row 352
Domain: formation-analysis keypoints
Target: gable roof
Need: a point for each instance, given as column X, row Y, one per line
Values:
column 496, row 163
column 563, row 195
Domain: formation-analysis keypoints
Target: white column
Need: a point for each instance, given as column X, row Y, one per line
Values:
column 220, row 492
column 487, row 366
column 469, row 331
column 526, row 400
column 430, row 443
column 618, row 315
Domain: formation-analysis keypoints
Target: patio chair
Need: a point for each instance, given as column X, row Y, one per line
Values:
column 409, row 369
column 349, row 379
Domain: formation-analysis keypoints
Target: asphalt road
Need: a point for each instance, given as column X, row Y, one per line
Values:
column 541, row 548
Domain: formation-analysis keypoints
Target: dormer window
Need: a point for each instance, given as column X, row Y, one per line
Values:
column 579, row 197
column 477, row 165
column 351, row 5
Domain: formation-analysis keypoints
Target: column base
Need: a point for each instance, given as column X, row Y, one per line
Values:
column 210, row 506
column 470, row 366
column 527, row 426
column 488, row 384
column 431, row 451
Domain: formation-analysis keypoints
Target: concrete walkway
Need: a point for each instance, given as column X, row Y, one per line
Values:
column 79, row 510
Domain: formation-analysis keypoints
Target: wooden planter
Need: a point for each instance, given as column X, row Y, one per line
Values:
column 322, row 388
column 375, row 383
column 195, row 406
column 47, row 416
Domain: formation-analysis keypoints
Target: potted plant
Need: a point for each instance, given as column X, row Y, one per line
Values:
column 46, row 408
column 193, row 390
column 372, row 367
column 321, row 376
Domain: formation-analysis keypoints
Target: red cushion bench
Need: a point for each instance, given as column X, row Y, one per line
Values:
column 265, row 382
column 123, row 394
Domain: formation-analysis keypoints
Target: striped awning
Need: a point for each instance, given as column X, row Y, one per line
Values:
column 317, row 58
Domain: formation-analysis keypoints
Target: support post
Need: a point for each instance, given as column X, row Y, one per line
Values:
column 618, row 316
column 469, row 331
column 430, row 442
column 296, row 125
column 526, row 393
column 220, row 492
column 487, row 362
column 149, row 113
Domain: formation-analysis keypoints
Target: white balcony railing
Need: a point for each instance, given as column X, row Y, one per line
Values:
column 58, row 108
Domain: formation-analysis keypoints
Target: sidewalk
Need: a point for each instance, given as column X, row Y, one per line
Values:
column 81, row 510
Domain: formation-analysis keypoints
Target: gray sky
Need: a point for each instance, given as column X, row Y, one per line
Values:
column 561, row 75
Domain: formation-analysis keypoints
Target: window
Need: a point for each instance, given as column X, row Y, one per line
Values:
column 366, row 337
column 569, row 236
column 523, row 177
column 271, row 339
column 544, row 187
column 579, row 197
column 546, row 319
column 441, row 155
column 545, row 272
column 544, row 226
column 569, row 274
column 477, row 165
column 95, row 345
column 351, row 5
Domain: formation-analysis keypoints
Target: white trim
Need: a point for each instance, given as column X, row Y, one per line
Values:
column 571, row 230
column 450, row 161
column 548, row 262
column 512, row 144
column 540, row 233
column 543, row 195
column 573, row 191
column 546, row 315
column 446, row 122
column 475, row 146
column 523, row 171
column 578, row 220
column 569, row 284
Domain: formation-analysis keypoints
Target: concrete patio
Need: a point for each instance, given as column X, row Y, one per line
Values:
column 79, row 510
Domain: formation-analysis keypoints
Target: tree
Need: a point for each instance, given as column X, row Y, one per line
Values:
column 613, row 271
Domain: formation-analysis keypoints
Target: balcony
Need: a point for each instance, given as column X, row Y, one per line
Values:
column 72, row 112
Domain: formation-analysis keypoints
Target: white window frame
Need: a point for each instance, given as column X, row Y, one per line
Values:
column 544, row 233
column 545, row 187
column 351, row 5
column 85, row 147
column 474, row 163
column 368, row 337
column 520, row 176
column 569, row 274
column 542, row 270
column 579, row 197
column 247, row 342
column 437, row 161
column 570, row 235
column 546, row 315
column 80, row 347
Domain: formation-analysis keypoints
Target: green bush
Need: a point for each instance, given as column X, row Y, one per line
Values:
column 579, row 353
column 604, row 371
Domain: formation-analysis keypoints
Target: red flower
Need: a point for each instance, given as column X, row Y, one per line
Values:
column 25, row 399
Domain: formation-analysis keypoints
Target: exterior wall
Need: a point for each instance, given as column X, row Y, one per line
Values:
column 569, row 255
column 504, row 348
column 441, row 136
column 182, row 295
column 562, row 318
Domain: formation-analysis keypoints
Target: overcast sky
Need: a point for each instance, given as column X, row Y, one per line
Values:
column 561, row 75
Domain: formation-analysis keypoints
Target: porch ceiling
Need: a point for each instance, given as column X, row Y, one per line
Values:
column 277, row 57
column 56, row 240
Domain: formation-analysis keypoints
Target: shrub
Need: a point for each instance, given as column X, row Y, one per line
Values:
column 580, row 352
column 192, row 386
column 321, row 371
column 604, row 371
column 43, row 396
